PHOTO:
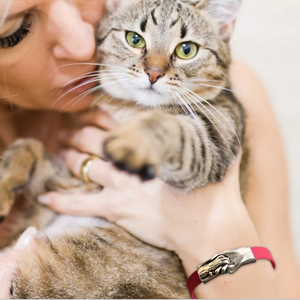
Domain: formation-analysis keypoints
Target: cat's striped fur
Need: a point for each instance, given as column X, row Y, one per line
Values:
column 186, row 127
column 199, row 128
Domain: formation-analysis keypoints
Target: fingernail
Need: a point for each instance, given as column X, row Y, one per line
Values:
column 26, row 238
column 44, row 199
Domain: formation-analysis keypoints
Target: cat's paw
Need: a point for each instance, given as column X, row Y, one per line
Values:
column 131, row 150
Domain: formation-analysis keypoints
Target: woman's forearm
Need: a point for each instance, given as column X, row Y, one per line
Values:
column 257, row 280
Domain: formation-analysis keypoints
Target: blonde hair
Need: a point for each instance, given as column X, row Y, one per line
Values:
column 4, row 8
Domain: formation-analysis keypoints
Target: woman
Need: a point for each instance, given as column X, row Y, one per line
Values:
column 49, row 56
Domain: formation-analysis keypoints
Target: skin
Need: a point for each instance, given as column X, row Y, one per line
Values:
column 262, row 221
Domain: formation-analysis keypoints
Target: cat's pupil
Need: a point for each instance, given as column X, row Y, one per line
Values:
column 186, row 48
column 136, row 39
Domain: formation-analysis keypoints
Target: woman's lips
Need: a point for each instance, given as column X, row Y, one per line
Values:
column 82, row 86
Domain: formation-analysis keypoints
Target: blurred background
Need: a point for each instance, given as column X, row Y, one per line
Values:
column 267, row 38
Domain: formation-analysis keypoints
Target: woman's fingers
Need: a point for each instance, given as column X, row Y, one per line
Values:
column 74, row 204
column 106, row 204
column 98, row 118
column 8, row 262
column 87, row 139
column 100, row 172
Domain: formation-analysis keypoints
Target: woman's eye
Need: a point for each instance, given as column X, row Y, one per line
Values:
column 135, row 40
column 186, row 50
column 18, row 36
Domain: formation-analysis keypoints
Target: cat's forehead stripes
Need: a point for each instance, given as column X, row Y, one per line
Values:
column 171, row 19
column 144, row 24
column 153, row 15
column 164, row 24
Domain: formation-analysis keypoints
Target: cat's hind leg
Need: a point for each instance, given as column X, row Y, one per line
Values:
column 17, row 166
column 26, row 165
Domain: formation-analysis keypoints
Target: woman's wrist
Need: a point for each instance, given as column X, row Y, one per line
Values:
column 257, row 280
column 228, row 231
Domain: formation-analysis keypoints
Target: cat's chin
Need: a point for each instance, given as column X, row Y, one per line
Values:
column 151, row 98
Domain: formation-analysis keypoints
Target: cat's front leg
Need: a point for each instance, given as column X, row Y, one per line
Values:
column 175, row 148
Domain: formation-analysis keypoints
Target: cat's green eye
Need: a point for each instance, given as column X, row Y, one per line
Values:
column 186, row 50
column 135, row 40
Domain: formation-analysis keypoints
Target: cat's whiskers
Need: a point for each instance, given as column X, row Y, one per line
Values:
column 96, row 88
column 81, row 96
column 192, row 24
column 179, row 102
column 85, row 94
column 29, row 199
column 189, row 108
column 76, row 87
column 118, row 80
column 201, row 80
column 222, row 115
column 87, row 75
column 189, row 18
column 225, row 75
column 93, row 64
column 95, row 79
column 216, row 87
column 210, row 13
column 211, row 121
column 123, row 88
column 82, row 76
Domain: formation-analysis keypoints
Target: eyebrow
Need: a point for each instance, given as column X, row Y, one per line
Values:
column 19, row 14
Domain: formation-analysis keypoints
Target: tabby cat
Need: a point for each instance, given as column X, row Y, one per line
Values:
column 163, row 72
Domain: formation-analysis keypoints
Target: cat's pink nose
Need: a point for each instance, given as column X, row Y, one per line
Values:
column 154, row 74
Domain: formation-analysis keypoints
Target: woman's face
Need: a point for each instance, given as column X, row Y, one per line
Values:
column 44, row 44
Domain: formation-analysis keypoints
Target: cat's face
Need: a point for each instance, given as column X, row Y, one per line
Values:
column 154, row 51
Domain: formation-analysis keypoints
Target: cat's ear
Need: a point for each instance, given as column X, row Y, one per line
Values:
column 225, row 13
column 112, row 5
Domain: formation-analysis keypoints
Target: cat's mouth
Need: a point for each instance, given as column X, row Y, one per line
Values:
column 152, row 90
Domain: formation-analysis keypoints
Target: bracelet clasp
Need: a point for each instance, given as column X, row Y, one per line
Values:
column 227, row 262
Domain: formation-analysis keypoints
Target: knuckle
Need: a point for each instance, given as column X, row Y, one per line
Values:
column 112, row 211
column 74, row 162
column 76, row 207
column 84, row 137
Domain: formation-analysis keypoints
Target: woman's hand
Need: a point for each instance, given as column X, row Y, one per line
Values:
column 152, row 211
column 8, row 262
column 196, row 226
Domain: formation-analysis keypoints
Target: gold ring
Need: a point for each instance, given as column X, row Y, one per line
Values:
column 84, row 169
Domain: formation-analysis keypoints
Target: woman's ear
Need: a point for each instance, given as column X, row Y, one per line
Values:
column 225, row 13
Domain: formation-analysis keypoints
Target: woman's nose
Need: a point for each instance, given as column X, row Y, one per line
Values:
column 74, row 38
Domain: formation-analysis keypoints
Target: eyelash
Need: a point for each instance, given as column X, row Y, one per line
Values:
column 16, row 38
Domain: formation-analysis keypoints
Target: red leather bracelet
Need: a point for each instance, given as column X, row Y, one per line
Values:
column 227, row 262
